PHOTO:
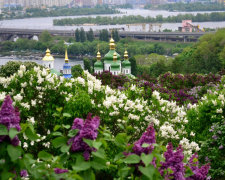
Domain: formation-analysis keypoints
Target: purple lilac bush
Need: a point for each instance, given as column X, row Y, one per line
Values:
column 173, row 167
column 10, row 118
column 88, row 129
column 147, row 137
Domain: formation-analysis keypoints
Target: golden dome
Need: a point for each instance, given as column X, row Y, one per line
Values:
column 112, row 44
column 126, row 55
column 48, row 56
column 98, row 56
column 114, row 56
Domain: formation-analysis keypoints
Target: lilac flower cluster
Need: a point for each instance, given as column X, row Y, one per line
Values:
column 87, row 130
column 23, row 173
column 60, row 171
column 147, row 137
column 199, row 173
column 173, row 161
column 10, row 118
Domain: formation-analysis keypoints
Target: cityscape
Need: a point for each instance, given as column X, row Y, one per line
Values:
column 90, row 3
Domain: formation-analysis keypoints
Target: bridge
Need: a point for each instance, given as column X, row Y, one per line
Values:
column 12, row 34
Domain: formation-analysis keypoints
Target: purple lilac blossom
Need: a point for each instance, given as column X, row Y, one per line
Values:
column 60, row 171
column 174, row 161
column 199, row 173
column 23, row 173
column 147, row 137
column 10, row 118
column 88, row 130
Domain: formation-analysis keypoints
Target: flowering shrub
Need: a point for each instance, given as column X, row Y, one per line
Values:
column 48, row 105
column 213, row 150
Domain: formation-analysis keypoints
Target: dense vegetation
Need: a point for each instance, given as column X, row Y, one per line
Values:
column 125, row 137
column 57, row 11
column 89, row 47
column 215, row 16
column 189, row 7
column 207, row 55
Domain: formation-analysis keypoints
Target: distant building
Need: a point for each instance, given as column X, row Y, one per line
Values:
column 112, row 62
column 187, row 26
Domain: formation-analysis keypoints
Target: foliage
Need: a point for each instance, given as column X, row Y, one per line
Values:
column 90, row 35
column 104, row 35
column 206, row 56
column 61, row 11
column 76, row 71
column 133, row 65
column 12, row 67
column 100, row 20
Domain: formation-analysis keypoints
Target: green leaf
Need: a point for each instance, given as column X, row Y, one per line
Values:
column 147, row 171
column 44, row 156
column 59, row 141
column 97, row 145
column 121, row 139
column 56, row 127
column 119, row 156
column 147, row 159
column 87, row 175
column 66, row 126
column 13, row 132
column 31, row 136
column 124, row 172
column 81, row 164
column 65, row 148
column 57, row 133
column 88, row 141
column 73, row 132
column 14, row 152
column 100, row 153
column 59, row 109
column 132, row 159
column 3, row 130
column 98, row 164
column 67, row 115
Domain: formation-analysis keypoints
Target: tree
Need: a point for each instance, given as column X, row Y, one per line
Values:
column 115, row 35
column 133, row 66
column 77, row 35
column 76, row 71
column 45, row 37
column 104, row 35
column 87, row 64
column 90, row 35
column 82, row 35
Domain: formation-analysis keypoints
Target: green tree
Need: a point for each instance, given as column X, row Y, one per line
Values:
column 87, row 64
column 45, row 37
column 133, row 66
column 116, row 36
column 82, row 35
column 104, row 35
column 76, row 70
column 90, row 35
column 77, row 35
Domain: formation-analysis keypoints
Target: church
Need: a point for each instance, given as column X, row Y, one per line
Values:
column 112, row 62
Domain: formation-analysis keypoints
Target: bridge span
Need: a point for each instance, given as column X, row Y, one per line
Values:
column 10, row 34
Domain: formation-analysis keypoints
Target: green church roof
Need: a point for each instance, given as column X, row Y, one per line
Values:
column 98, row 64
column 126, row 63
column 115, row 66
column 109, row 55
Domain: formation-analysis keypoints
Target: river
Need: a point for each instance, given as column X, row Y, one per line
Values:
column 47, row 22
column 58, row 65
